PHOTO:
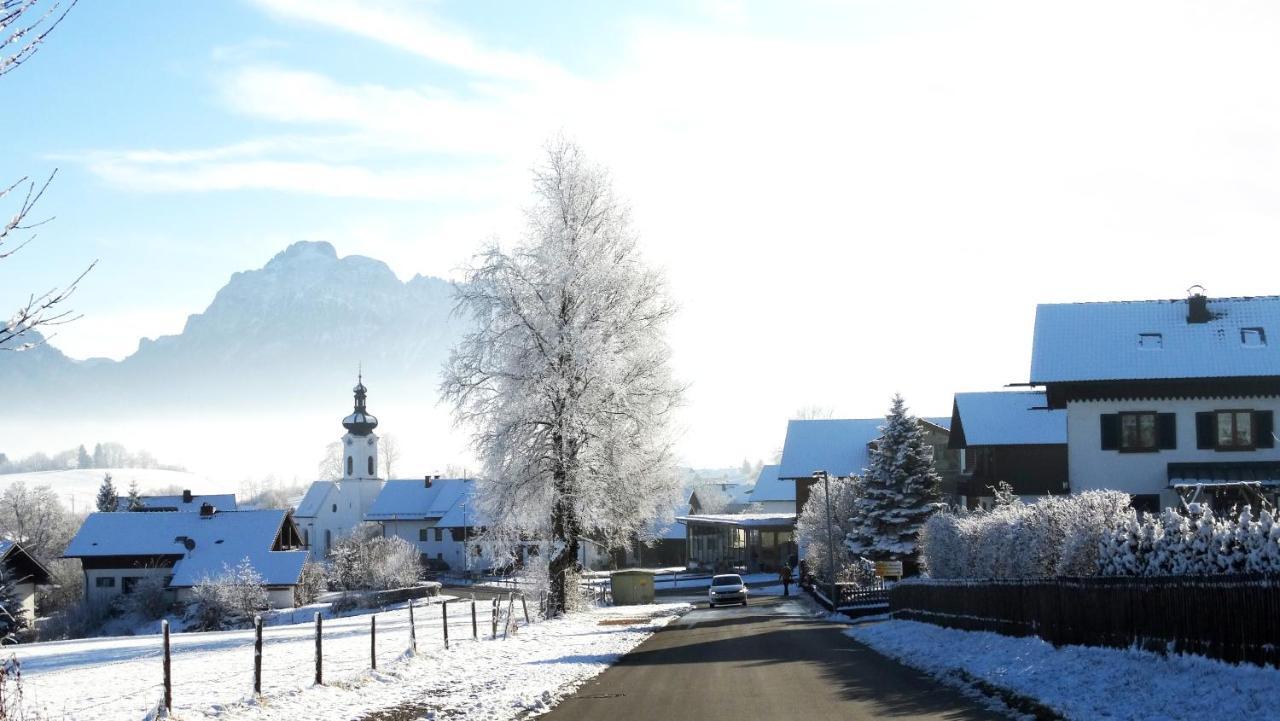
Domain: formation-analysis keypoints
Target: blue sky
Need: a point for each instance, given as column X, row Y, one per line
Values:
column 851, row 199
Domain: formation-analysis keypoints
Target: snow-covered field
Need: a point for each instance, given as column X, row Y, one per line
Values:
column 119, row 679
column 1079, row 682
column 81, row 485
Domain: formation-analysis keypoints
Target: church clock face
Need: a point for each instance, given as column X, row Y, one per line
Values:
column 348, row 441
column 370, row 441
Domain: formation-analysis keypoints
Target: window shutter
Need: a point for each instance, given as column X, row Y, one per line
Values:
column 1110, row 431
column 1264, row 427
column 1167, row 431
column 1206, row 431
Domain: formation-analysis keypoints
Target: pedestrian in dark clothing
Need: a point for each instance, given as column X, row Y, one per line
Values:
column 785, row 576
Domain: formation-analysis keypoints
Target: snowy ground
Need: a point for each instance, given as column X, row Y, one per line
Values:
column 1084, row 683
column 80, row 486
column 119, row 679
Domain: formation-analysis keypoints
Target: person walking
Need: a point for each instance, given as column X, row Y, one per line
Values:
column 785, row 576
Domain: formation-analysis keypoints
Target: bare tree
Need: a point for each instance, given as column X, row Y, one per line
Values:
column 330, row 468
column 813, row 412
column 35, row 518
column 565, row 381
column 390, row 453
column 24, row 25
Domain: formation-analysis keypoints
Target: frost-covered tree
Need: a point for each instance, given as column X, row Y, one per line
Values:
column 899, row 491
column 811, row 526
column 566, row 382
column 366, row 560
column 389, row 451
column 13, row 617
column 229, row 599
column 108, row 500
column 311, row 584
column 83, row 459
column 134, row 501
column 24, row 25
column 330, row 467
column 36, row 518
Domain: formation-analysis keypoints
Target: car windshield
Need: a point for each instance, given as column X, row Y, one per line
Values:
column 732, row 580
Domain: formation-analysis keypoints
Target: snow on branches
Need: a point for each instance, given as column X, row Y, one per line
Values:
column 899, row 491
column 1195, row 543
column 565, row 382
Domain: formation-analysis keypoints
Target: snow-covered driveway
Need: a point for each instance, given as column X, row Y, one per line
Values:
column 120, row 678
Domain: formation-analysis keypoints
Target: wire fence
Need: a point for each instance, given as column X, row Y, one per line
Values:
column 198, row 671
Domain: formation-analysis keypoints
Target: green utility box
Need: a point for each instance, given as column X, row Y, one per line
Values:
column 632, row 587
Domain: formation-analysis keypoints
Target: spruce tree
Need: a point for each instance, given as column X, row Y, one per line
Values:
column 83, row 459
column 899, row 491
column 134, row 501
column 13, row 617
column 108, row 499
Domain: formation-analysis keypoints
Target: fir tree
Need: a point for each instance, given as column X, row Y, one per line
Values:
column 83, row 459
column 108, row 499
column 134, row 501
column 13, row 617
column 899, row 492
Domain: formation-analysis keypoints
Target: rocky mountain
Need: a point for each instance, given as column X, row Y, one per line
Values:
column 282, row 333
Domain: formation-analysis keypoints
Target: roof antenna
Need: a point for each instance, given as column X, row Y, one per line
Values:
column 1196, row 289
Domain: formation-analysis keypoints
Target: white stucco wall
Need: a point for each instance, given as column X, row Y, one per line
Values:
column 93, row 593
column 27, row 594
column 343, row 509
column 1090, row 468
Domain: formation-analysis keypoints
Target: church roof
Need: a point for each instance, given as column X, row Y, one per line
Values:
column 314, row 500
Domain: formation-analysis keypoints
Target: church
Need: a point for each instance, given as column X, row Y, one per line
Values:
column 332, row 509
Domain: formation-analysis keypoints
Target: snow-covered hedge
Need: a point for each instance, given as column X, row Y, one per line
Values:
column 1056, row 536
column 1197, row 543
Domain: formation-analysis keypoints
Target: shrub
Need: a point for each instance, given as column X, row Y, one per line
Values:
column 149, row 599
column 1194, row 543
column 363, row 561
column 228, row 601
column 310, row 585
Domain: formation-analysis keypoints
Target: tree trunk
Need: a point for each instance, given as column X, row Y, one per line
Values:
column 564, row 535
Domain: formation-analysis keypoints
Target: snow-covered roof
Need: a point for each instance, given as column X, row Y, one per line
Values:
column 744, row 520
column 411, row 499
column 1152, row 339
column 771, row 488
column 23, row 566
column 837, row 446
column 314, row 500
column 220, row 540
column 1007, row 418
column 220, row 501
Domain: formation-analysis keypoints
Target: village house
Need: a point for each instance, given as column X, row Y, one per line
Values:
column 756, row 532
column 25, row 572
column 1009, row 436
column 431, row 514
column 119, row 550
column 1168, row 400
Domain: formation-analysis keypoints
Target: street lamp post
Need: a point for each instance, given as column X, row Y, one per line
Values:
column 466, row 543
column 831, row 548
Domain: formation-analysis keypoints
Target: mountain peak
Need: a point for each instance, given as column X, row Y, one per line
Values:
column 306, row 250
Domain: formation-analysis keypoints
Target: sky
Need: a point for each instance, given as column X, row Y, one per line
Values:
column 850, row 199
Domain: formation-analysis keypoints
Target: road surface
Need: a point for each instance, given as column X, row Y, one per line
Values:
column 766, row 661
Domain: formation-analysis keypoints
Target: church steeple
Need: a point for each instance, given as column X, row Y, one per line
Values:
column 360, row 422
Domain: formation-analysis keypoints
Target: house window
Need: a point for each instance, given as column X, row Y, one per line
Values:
column 1253, row 337
column 128, row 582
column 105, row 582
column 1138, row 432
column 439, row 535
column 306, row 538
column 424, row 534
column 350, row 466
column 439, row 556
column 335, row 508
column 370, row 466
column 328, row 540
column 1150, row 341
column 1235, row 430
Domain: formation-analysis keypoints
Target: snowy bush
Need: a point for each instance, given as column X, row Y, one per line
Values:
column 1057, row 536
column 149, row 598
column 367, row 562
column 811, row 526
column 311, row 584
column 1195, row 543
column 228, row 601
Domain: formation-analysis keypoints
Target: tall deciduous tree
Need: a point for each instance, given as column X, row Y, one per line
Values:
column 566, row 381
column 390, row 452
column 899, row 491
column 35, row 518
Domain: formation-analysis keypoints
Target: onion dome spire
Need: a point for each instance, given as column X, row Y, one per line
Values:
column 360, row 422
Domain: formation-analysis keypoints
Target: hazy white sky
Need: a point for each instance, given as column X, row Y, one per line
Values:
column 851, row 199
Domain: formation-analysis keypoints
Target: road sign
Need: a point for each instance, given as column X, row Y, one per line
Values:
column 884, row 569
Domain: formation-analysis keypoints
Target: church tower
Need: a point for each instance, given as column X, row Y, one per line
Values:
column 360, row 445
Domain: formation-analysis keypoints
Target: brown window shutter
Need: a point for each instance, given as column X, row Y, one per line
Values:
column 1167, row 431
column 1206, row 430
column 1110, row 431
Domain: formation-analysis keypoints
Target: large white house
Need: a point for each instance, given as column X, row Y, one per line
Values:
column 431, row 513
column 332, row 509
column 1167, row 400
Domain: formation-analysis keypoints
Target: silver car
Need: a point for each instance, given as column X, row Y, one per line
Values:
column 727, row 588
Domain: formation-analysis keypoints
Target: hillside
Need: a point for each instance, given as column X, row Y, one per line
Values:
column 79, row 487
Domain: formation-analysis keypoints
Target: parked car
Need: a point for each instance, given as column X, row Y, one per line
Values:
column 727, row 588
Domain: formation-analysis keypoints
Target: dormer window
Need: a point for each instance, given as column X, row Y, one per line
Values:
column 1150, row 341
column 1253, row 337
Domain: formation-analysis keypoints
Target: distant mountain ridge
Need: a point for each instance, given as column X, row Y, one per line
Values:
column 305, row 319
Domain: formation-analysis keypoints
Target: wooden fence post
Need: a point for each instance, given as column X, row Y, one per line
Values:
column 413, row 632
column 319, row 652
column 444, row 618
column 511, row 607
column 525, row 605
column 475, row 632
column 168, row 677
column 373, row 642
column 257, row 655
column 494, row 634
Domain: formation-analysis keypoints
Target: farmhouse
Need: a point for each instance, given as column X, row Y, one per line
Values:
column 1009, row 436
column 119, row 550
column 1167, row 400
column 431, row 513
column 25, row 572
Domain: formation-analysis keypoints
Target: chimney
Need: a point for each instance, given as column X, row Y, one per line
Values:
column 1198, row 306
column 186, row 496
column 207, row 510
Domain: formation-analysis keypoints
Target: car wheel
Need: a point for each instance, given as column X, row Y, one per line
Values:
column 710, row 604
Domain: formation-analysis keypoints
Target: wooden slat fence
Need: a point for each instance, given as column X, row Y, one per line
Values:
column 1232, row 618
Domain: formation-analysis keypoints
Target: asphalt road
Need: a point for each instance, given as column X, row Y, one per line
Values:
column 765, row 661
